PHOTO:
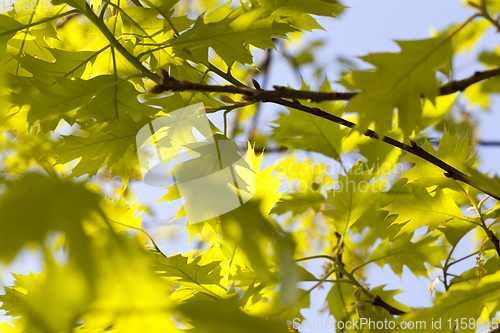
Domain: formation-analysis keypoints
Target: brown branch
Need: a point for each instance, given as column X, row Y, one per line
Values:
column 494, row 240
column 282, row 149
column 169, row 83
column 376, row 300
column 414, row 149
column 480, row 142
column 454, row 86
column 338, row 257
column 489, row 143
column 60, row 24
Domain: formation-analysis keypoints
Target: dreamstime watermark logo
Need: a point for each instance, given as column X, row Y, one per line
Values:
column 209, row 170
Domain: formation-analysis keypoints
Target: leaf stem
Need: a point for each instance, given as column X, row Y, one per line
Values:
column 340, row 281
column 487, row 16
column 226, row 76
column 92, row 17
column 320, row 256
column 153, row 243
column 468, row 256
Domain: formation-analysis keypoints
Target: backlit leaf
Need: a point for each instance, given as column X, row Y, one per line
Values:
column 399, row 81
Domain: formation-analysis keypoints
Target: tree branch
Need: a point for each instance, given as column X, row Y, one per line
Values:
column 282, row 92
column 167, row 83
column 376, row 300
column 264, row 71
column 282, row 149
column 480, row 142
column 489, row 143
column 454, row 86
column 414, row 149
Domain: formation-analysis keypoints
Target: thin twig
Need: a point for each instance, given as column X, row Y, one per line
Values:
column 374, row 299
column 468, row 256
column 282, row 149
column 480, row 142
column 487, row 16
column 446, row 266
column 264, row 71
column 489, row 143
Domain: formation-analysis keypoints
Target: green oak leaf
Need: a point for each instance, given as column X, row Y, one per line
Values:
column 206, row 314
column 274, row 311
column 309, row 133
column 491, row 184
column 299, row 202
column 388, row 297
column 8, row 28
column 353, row 197
column 398, row 81
column 465, row 300
column 247, row 227
column 301, row 130
column 110, row 145
column 424, row 209
column 190, row 273
column 49, row 301
column 383, row 158
column 50, row 205
column 401, row 251
column 297, row 12
column 68, row 64
column 229, row 32
column 122, row 215
column 101, row 98
column 451, row 151
column 339, row 298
